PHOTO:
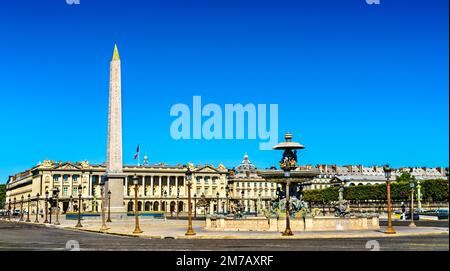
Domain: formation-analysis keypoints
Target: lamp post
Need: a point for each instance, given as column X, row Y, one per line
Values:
column 204, row 202
column 387, row 174
column 419, row 196
column 411, row 185
column 50, row 210
column 165, row 202
column 37, row 208
column 287, row 230
column 9, row 209
column 227, row 194
column 21, row 209
column 14, row 207
column 178, row 202
column 46, row 206
column 102, row 193
column 28, row 211
column 56, row 194
column 79, row 206
column 195, row 205
column 258, row 206
column 217, row 203
column 341, row 195
column 243, row 206
column 109, row 207
column 190, row 230
column 137, row 229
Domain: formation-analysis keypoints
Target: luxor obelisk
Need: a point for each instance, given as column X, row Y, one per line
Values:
column 114, row 165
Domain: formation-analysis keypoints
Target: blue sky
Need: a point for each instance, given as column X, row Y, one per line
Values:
column 355, row 83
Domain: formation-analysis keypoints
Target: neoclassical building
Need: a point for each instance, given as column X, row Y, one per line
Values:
column 249, row 188
column 160, row 187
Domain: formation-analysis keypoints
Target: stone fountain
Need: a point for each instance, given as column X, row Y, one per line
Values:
column 289, row 210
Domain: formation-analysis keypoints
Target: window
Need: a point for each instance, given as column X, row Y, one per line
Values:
column 75, row 191
column 55, row 178
column 66, row 178
column 65, row 191
column 75, row 178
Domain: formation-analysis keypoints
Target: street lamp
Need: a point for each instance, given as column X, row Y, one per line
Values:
column 258, row 206
column 419, row 196
column 79, row 206
column 9, row 209
column 411, row 185
column 190, row 230
column 341, row 195
column 165, row 202
column 21, row 209
column 178, row 203
column 242, row 207
column 102, row 192
column 204, row 202
column 109, row 207
column 217, row 203
column 46, row 206
column 387, row 174
column 50, row 210
column 137, row 229
column 28, row 211
column 227, row 191
column 14, row 207
column 37, row 209
column 195, row 205
column 287, row 231
column 56, row 194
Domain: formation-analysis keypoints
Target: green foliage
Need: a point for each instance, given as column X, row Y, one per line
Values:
column 437, row 190
column 404, row 177
column 2, row 195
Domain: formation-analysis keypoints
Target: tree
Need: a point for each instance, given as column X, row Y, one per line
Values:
column 405, row 177
column 433, row 190
column 2, row 195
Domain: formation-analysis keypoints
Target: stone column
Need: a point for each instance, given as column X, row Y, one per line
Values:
column 176, row 187
column 151, row 186
column 143, row 185
column 70, row 187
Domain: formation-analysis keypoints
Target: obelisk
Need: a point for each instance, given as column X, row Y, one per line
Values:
column 114, row 165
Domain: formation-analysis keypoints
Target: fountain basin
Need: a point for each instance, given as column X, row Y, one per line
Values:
column 273, row 224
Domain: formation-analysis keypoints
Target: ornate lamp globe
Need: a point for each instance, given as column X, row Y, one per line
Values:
column 387, row 171
column 135, row 179
column 188, row 174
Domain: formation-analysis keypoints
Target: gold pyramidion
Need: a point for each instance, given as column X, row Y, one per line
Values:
column 116, row 53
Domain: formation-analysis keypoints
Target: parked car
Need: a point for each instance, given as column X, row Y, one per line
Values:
column 442, row 213
column 416, row 216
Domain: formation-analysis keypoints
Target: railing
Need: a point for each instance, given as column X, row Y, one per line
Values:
column 375, row 206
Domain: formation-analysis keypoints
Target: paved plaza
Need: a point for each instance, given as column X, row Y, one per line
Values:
column 26, row 236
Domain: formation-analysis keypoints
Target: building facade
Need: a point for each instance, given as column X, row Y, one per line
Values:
column 250, row 189
column 160, row 187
